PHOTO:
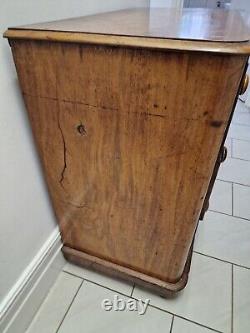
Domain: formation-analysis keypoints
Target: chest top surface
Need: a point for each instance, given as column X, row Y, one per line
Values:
column 158, row 24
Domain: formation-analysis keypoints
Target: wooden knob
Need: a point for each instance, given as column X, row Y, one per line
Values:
column 223, row 154
column 244, row 85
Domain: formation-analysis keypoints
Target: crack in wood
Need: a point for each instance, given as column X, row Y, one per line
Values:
column 75, row 205
column 102, row 107
column 64, row 148
column 151, row 114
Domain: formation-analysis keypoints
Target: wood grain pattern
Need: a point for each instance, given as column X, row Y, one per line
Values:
column 187, row 24
column 128, row 139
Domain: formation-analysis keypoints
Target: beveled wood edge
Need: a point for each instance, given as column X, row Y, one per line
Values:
column 127, row 41
column 162, row 288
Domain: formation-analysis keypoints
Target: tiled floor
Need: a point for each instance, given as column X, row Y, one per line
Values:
column 217, row 297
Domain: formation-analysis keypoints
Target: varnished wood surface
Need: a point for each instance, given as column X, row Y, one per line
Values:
column 186, row 24
column 132, row 42
column 218, row 31
column 128, row 139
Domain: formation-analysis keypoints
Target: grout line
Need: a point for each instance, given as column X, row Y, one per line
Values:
column 222, row 260
column 224, row 181
column 232, row 314
column 181, row 317
column 172, row 323
column 98, row 284
column 132, row 290
column 238, row 217
column 69, row 307
column 238, row 158
column 228, row 181
column 217, row 211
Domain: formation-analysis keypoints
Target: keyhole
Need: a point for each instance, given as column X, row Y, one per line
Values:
column 81, row 129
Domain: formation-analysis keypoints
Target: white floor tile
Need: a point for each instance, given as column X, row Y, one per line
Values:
column 234, row 170
column 241, row 201
column 221, row 197
column 241, row 149
column 240, row 132
column 224, row 237
column 184, row 326
column 53, row 309
column 241, row 300
column 206, row 298
column 242, row 118
column 114, row 284
column 241, row 107
column 86, row 315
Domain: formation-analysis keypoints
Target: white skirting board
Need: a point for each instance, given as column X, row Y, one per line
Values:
column 22, row 302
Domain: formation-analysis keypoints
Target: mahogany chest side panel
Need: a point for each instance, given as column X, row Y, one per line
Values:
column 128, row 139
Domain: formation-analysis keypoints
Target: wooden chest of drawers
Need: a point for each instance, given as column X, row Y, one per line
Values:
column 129, row 111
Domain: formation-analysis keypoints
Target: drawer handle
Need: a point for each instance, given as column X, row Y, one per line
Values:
column 244, row 85
column 223, row 155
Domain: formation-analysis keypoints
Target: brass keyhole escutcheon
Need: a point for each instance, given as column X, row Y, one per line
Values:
column 81, row 129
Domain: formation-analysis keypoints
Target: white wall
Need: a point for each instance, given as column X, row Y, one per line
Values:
column 240, row 4
column 166, row 3
column 26, row 217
